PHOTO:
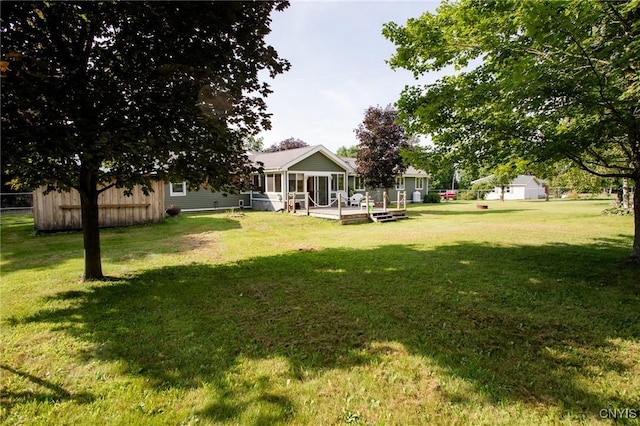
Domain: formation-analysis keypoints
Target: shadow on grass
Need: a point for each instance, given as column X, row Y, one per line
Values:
column 46, row 250
column 523, row 324
column 52, row 392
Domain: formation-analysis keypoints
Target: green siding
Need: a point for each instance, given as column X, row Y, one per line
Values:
column 318, row 162
column 205, row 199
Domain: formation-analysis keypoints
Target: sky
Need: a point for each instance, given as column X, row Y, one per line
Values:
column 338, row 70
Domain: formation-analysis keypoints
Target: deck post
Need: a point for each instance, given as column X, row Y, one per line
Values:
column 340, row 205
column 366, row 200
column 306, row 202
column 384, row 201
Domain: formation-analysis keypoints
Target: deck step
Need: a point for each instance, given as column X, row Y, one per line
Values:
column 387, row 216
column 382, row 218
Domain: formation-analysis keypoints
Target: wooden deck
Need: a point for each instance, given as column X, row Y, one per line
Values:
column 377, row 212
column 348, row 215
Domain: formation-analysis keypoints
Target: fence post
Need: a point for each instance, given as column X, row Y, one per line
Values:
column 384, row 201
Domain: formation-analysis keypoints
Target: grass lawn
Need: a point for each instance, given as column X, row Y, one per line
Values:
column 525, row 313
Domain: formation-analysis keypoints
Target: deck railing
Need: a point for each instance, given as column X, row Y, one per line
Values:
column 292, row 200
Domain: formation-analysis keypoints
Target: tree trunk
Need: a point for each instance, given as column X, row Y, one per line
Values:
column 625, row 193
column 90, row 227
column 635, row 254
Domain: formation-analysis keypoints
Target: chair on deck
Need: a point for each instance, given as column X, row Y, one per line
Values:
column 355, row 199
column 344, row 197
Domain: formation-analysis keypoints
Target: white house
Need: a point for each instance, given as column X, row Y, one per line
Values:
column 524, row 187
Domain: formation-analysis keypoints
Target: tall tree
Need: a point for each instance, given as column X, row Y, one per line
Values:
column 104, row 94
column 254, row 143
column 381, row 140
column 556, row 80
column 565, row 175
column 441, row 168
column 289, row 143
column 348, row 152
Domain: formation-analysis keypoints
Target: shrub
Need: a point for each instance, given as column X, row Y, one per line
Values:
column 571, row 195
column 431, row 197
column 467, row 195
column 173, row 210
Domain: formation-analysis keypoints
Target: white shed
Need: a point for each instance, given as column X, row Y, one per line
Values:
column 524, row 187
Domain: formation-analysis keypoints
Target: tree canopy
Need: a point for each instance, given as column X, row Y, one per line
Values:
column 381, row 140
column 102, row 94
column 289, row 143
column 536, row 80
column 348, row 152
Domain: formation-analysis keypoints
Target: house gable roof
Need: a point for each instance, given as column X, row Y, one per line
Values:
column 520, row 180
column 283, row 160
column 524, row 180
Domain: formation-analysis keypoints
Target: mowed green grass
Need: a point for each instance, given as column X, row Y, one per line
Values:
column 525, row 313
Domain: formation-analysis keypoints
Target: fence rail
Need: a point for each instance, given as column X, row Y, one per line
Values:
column 16, row 202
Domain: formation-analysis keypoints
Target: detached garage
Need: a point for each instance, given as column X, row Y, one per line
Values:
column 524, row 187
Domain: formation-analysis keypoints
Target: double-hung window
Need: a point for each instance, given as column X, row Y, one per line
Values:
column 337, row 182
column 296, row 182
column 274, row 182
column 178, row 189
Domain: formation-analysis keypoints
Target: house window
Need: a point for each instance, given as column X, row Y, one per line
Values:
column 360, row 183
column 274, row 182
column 278, row 179
column 178, row 189
column 337, row 182
column 296, row 182
column 419, row 183
column 258, row 184
column 400, row 183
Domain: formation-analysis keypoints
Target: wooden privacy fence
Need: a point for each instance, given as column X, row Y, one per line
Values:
column 58, row 211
